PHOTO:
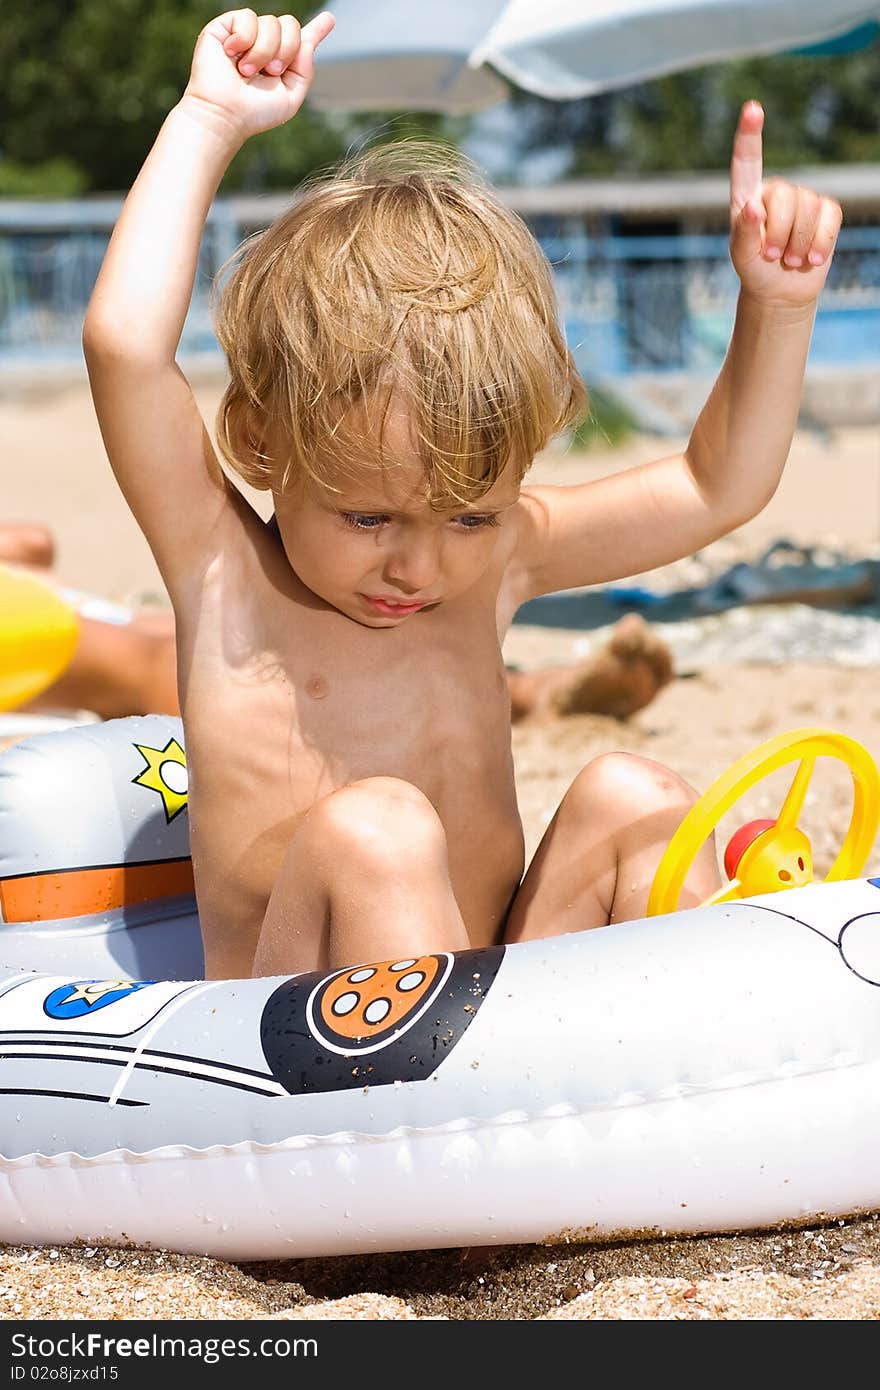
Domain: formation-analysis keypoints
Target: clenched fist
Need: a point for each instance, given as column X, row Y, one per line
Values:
column 255, row 70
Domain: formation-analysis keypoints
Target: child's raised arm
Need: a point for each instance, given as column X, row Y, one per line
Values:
column 249, row 73
column 781, row 242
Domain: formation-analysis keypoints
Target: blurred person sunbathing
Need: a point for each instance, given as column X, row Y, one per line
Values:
column 125, row 661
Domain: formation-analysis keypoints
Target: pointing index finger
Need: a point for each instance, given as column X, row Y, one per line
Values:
column 318, row 28
column 747, row 163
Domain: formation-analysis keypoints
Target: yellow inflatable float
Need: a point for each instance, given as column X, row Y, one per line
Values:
column 38, row 636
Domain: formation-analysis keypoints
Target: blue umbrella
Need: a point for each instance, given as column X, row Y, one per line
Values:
column 459, row 56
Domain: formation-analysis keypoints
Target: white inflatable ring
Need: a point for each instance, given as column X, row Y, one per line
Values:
column 710, row 1070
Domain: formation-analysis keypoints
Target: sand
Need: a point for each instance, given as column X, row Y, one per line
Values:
column 55, row 471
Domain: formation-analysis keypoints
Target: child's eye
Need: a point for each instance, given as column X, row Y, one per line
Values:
column 362, row 521
column 475, row 521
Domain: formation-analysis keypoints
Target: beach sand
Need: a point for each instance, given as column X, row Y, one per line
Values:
column 55, row 471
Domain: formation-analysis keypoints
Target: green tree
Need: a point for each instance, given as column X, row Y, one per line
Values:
column 88, row 83
column 92, row 82
column 819, row 110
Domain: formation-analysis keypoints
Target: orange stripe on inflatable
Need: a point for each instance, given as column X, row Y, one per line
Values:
column 81, row 892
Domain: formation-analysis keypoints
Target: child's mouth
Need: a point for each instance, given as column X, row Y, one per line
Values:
column 391, row 608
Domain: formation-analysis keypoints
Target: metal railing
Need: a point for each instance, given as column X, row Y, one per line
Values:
column 630, row 304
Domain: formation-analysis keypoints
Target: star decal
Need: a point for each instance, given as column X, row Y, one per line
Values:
column 92, row 991
column 165, row 773
column 83, row 997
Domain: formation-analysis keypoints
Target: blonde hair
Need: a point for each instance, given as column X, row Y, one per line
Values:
column 399, row 275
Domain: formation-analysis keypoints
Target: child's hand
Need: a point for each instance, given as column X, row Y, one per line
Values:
column 781, row 236
column 255, row 70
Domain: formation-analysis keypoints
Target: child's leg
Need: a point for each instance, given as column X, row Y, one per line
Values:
column 366, row 878
column 598, row 857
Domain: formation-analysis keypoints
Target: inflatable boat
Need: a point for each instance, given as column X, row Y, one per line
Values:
column 706, row 1070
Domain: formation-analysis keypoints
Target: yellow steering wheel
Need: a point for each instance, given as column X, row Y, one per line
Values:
column 765, row 856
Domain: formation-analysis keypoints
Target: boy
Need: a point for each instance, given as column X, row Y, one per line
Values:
column 395, row 364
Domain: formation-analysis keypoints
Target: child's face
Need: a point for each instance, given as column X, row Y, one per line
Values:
column 377, row 551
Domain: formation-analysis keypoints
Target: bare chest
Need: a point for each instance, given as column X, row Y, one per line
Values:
column 359, row 707
column 273, row 727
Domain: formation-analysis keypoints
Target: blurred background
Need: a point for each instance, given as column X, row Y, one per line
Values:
column 625, row 188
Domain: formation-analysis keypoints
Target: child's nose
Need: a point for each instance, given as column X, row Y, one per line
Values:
column 415, row 565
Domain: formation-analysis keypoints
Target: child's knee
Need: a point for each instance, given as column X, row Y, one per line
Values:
column 384, row 823
column 624, row 787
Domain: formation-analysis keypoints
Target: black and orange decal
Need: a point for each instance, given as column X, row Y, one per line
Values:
column 357, row 1011
column 371, row 1025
